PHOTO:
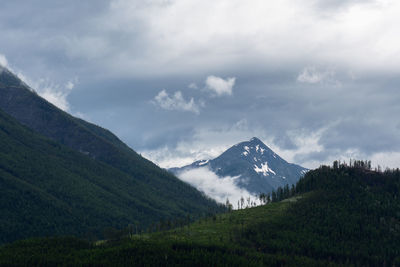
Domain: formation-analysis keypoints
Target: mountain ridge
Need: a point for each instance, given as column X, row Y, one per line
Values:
column 68, row 176
column 258, row 168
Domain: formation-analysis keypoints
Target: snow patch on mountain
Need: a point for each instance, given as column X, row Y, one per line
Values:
column 203, row 162
column 264, row 169
column 258, row 148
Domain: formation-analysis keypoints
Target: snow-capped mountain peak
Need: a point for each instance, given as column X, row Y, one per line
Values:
column 258, row 167
column 255, row 146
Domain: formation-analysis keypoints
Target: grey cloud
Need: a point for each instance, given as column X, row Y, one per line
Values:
column 169, row 137
column 124, row 52
column 320, row 156
column 285, row 142
column 338, row 4
column 367, row 136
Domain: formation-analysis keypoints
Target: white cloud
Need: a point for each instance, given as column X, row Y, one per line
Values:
column 306, row 143
column 159, row 37
column 220, row 86
column 218, row 188
column 52, row 92
column 169, row 158
column 209, row 143
column 313, row 75
column 70, row 85
column 205, row 143
column 3, row 61
column 55, row 96
column 175, row 102
column 192, row 86
column 386, row 160
column 266, row 33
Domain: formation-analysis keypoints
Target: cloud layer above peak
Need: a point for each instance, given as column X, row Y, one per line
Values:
column 316, row 80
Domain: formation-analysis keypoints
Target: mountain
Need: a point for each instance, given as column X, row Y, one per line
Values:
column 340, row 216
column 258, row 168
column 61, row 175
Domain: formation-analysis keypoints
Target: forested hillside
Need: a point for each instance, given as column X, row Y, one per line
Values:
column 341, row 215
column 22, row 103
column 47, row 189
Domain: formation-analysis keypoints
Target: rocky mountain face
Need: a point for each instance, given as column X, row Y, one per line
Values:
column 254, row 166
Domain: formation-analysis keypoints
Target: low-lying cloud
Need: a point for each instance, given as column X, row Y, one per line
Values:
column 220, row 86
column 56, row 97
column 218, row 188
column 175, row 102
column 54, row 93
column 3, row 61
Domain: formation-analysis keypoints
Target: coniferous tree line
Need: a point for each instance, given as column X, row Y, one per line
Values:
column 344, row 215
column 349, row 213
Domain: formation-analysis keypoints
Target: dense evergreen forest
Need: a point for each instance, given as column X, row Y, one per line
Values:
column 61, row 175
column 340, row 215
column 48, row 189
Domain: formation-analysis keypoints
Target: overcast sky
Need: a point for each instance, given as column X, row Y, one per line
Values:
column 182, row 80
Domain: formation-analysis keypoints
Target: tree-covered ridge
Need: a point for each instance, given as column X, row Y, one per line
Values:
column 156, row 191
column 338, row 216
column 351, row 215
column 48, row 189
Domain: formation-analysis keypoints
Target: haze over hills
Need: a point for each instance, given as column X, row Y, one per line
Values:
column 67, row 176
column 252, row 166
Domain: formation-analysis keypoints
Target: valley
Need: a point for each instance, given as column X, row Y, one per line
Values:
column 336, row 217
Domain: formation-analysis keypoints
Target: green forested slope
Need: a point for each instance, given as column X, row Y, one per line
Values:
column 343, row 216
column 19, row 101
column 48, row 189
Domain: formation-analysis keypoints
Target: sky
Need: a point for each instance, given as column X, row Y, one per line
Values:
column 179, row 80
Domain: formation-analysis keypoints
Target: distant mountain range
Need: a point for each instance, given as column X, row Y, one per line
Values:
column 61, row 175
column 254, row 166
